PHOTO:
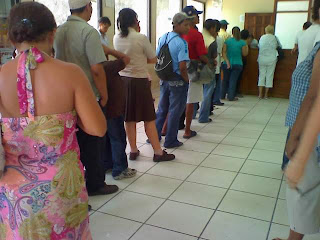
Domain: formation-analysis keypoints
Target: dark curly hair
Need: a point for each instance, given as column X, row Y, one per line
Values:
column 30, row 22
column 127, row 18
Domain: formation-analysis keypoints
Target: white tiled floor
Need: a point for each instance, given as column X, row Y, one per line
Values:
column 225, row 184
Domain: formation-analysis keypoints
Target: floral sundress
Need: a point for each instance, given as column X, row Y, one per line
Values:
column 42, row 193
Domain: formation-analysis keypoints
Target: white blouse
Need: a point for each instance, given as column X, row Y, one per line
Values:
column 138, row 47
column 268, row 49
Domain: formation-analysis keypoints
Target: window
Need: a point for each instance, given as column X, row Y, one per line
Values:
column 200, row 7
column 215, row 10
column 294, row 12
column 61, row 11
column 141, row 7
column 166, row 9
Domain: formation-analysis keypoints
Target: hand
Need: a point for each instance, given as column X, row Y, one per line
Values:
column 291, row 146
column 228, row 65
column 103, row 101
column 126, row 60
column 294, row 172
column 293, row 51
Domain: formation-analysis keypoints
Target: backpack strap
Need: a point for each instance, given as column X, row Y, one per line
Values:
column 171, row 38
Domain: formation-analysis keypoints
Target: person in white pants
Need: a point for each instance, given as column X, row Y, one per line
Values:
column 268, row 56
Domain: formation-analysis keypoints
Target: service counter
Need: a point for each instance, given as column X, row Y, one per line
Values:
column 282, row 77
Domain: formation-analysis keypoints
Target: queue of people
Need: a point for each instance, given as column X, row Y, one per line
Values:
column 59, row 142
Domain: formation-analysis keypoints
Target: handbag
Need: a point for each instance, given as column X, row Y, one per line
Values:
column 207, row 75
column 280, row 50
column 192, row 69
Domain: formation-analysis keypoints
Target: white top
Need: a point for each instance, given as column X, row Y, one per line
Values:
column 220, row 43
column 104, row 39
column 139, row 49
column 307, row 40
column 268, row 49
column 299, row 34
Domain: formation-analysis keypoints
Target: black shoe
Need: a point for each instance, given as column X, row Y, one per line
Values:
column 209, row 121
column 219, row 104
column 165, row 157
column 182, row 127
column 89, row 208
column 176, row 145
column 105, row 190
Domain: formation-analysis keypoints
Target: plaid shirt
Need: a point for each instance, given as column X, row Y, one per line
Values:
column 300, row 85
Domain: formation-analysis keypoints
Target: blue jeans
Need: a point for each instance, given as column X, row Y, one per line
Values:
column 285, row 159
column 217, row 90
column 230, row 80
column 172, row 102
column 206, row 103
column 115, row 156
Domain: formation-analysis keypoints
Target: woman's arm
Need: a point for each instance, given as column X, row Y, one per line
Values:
column 224, row 55
column 91, row 118
column 307, row 126
column 245, row 50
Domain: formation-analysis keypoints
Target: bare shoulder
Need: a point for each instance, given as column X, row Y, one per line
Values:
column 8, row 68
column 70, row 70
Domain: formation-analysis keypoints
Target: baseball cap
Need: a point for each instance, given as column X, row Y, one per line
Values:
column 191, row 10
column 180, row 17
column 76, row 4
column 224, row 22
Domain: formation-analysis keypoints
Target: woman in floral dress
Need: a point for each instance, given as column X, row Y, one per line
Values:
column 42, row 191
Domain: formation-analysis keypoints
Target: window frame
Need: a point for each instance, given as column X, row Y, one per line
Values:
column 149, row 19
column 204, row 9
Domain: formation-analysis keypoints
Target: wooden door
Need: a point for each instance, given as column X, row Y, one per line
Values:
column 255, row 23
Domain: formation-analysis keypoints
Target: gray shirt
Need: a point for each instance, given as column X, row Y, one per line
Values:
column 79, row 43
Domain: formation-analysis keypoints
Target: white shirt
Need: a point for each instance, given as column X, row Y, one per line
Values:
column 299, row 34
column 220, row 43
column 104, row 39
column 139, row 49
column 268, row 49
column 307, row 40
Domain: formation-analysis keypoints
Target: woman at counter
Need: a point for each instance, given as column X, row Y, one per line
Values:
column 268, row 57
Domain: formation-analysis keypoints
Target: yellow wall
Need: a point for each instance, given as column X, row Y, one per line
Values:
column 233, row 9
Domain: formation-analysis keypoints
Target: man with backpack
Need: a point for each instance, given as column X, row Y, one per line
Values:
column 173, row 56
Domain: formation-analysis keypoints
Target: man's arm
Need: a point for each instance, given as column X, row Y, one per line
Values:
column 306, row 106
column 184, row 71
column 295, row 49
column 100, row 80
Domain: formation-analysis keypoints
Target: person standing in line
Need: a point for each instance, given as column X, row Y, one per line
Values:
column 306, row 25
column 210, row 33
column 303, row 149
column 307, row 42
column 268, row 58
column 43, row 191
column 223, row 31
column 233, row 50
column 115, row 157
column 197, row 52
column 217, row 91
column 173, row 93
column 104, row 25
column 79, row 43
column 139, row 102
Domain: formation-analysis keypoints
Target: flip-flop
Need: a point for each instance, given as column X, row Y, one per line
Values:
column 193, row 134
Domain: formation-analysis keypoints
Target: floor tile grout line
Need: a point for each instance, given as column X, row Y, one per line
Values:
column 231, row 182
column 173, row 191
column 274, row 210
column 217, row 116
column 275, row 206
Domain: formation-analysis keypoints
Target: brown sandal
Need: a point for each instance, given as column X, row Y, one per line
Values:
column 134, row 155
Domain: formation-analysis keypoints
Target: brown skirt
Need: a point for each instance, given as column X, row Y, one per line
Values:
column 139, row 101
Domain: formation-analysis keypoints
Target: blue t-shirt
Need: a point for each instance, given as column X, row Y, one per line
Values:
column 234, row 51
column 178, row 48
